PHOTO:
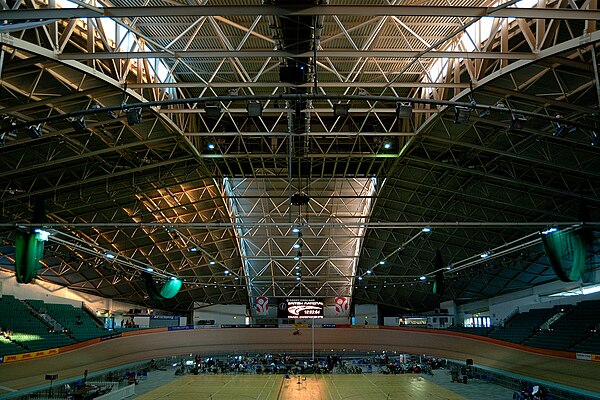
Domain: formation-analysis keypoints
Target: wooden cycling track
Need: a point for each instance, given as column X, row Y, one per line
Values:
column 553, row 366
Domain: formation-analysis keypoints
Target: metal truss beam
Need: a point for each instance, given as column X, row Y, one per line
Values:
column 217, row 53
column 326, row 10
column 369, row 225
column 201, row 85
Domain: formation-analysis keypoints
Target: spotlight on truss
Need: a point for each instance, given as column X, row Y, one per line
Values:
column 78, row 123
column 462, row 115
column 404, row 110
column 35, row 131
column 341, row 110
column 485, row 113
column 562, row 130
column 254, row 108
column 517, row 121
column 213, row 110
column 134, row 115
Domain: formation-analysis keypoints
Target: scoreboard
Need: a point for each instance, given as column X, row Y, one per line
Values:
column 300, row 308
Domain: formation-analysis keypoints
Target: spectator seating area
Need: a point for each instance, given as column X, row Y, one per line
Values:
column 33, row 325
column 78, row 324
column 524, row 325
column 574, row 327
column 570, row 328
column 472, row 331
column 27, row 331
column 8, row 347
column 589, row 345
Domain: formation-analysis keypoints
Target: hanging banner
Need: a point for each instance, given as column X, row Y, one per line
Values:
column 262, row 305
column 341, row 305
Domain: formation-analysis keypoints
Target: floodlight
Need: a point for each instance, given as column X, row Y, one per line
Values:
column 213, row 110
column 34, row 131
column 78, row 123
column 517, row 121
column 404, row 110
column 254, row 109
column 134, row 115
column 340, row 110
column 562, row 130
column 462, row 115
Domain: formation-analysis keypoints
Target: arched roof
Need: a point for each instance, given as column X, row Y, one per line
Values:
column 521, row 157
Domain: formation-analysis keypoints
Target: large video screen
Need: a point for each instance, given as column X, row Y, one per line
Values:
column 300, row 308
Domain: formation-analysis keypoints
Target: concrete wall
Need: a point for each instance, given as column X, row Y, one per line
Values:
column 221, row 314
column 366, row 313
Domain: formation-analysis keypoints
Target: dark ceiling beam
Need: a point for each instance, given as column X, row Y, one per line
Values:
column 368, row 225
column 502, row 153
column 217, row 53
column 383, row 85
column 103, row 177
column 83, row 156
column 297, row 11
column 520, row 183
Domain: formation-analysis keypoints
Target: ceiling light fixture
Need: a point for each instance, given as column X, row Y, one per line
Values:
column 78, row 123
column 404, row 110
column 517, row 121
column 213, row 110
column 134, row 115
column 562, row 130
column 34, row 131
column 341, row 110
column 462, row 115
column 254, row 109
column 42, row 234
